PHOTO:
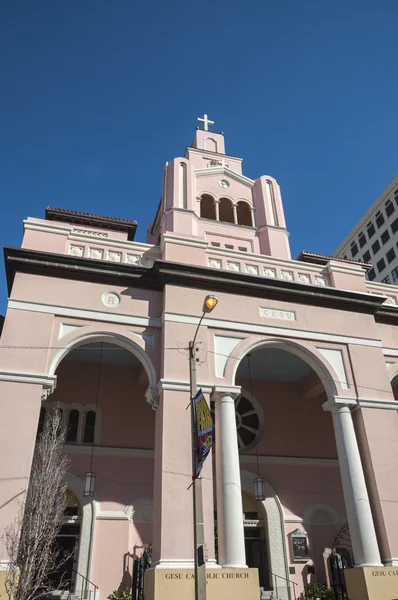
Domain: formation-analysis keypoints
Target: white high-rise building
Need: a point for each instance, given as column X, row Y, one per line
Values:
column 375, row 237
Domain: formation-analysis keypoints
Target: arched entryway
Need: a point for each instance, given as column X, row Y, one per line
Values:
column 105, row 391
column 283, row 436
column 68, row 545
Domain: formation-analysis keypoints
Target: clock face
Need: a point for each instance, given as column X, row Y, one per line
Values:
column 224, row 183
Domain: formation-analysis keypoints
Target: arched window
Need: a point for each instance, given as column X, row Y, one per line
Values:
column 226, row 211
column 89, row 428
column 42, row 418
column 73, row 425
column 244, row 213
column 207, row 207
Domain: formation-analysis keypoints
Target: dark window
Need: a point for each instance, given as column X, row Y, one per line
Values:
column 381, row 265
column 394, row 274
column 242, row 249
column 229, row 246
column 376, row 246
column 40, row 426
column 390, row 255
column 73, row 424
column 370, row 229
column 394, row 225
column 89, row 428
column 362, row 240
column 386, row 279
column 251, row 516
column 385, row 236
column 389, row 208
column 396, row 196
column 379, row 219
column 371, row 274
column 366, row 256
column 354, row 249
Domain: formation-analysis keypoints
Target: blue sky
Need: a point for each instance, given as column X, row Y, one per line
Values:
column 97, row 95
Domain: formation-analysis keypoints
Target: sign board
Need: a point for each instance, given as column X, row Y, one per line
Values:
column 299, row 545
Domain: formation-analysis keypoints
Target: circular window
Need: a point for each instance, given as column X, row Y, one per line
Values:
column 248, row 424
column 224, row 183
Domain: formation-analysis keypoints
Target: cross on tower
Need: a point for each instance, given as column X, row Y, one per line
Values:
column 206, row 122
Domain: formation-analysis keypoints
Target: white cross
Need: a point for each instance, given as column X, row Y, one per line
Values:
column 206, row 122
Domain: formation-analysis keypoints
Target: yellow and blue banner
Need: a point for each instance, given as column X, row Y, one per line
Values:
column 204, row 430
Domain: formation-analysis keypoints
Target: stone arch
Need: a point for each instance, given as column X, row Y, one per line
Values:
column 275, row 530
column 244, row 213
column 208, row 207
column 88, row 505
column 309, row 355
column 320, row 507
column 226, row 210
column 102, row 333
column 140, row 510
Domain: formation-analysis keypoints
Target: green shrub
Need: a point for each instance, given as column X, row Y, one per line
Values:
column 123, row 595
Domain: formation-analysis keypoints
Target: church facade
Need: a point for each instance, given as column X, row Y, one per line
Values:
column 298, row 363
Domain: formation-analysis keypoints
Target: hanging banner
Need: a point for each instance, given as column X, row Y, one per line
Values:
column 204, row 430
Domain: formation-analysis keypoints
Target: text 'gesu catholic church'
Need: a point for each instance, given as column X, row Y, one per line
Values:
column 298, row 362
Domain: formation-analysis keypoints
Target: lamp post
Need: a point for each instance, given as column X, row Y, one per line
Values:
column 210, row 302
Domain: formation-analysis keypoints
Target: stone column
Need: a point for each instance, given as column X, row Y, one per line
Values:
column 235, row 211
column 217, row 209
column 231, row 543
column 360, row 520
column 253, row 215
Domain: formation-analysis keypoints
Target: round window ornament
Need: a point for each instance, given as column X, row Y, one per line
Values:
column 224, row 183
column 111, row 299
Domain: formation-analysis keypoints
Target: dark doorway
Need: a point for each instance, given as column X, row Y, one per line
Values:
column 67, row 541
column 257, row 554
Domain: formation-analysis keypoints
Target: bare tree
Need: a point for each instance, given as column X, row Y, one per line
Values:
column 31, row 540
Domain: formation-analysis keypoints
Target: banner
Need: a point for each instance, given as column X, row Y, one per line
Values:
column 204, row 430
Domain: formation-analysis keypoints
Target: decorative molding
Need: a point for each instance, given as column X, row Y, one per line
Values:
column 220, row 170
column 320, row 506
column 47, row 381
column 173, row 563
column 182, row 386
column 67, row 328
column 292, row 519
column 140, row 510
column 270, row 330
column 112, row 515
column 223, row 347
column 336, row 360
column 381, row 404
column 84, row 313
column 390, row 352
column 337, row 402
column 152, row 396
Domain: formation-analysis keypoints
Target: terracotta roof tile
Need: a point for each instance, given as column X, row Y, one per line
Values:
column 92, row 220
column 316, row 257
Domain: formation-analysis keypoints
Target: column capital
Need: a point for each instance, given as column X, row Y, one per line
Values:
column 220, row 391
column 338, row 402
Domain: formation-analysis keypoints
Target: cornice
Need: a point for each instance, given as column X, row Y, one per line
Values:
column 210, row 171
column 191, row 276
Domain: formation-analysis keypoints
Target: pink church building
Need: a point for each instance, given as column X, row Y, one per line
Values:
column 298, row 362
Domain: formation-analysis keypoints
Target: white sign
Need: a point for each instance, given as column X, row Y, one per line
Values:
column 274, row 313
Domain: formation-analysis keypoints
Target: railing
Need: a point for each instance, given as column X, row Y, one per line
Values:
column 85, row 592
column 288, row 581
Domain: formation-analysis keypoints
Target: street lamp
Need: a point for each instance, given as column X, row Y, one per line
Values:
column 210, row 302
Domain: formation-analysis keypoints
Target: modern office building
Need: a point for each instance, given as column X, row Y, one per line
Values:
column 375, row 238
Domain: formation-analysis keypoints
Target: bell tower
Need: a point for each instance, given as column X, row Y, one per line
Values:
column 205, row 196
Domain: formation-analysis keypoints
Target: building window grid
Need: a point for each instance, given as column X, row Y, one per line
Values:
column 389, row 206
column 379, row 219
column 385, row 236
column 375, row 247
column 381, row 265
column 390, row 255
column 394, row 274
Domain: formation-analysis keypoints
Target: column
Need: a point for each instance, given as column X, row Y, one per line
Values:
column 360, row 520
column 235, row 211
column 252, row 210
column 217, row 208
column 231, row 542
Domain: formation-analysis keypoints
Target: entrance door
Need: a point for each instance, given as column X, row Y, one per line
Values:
column 257, row 554
column 63, row 576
